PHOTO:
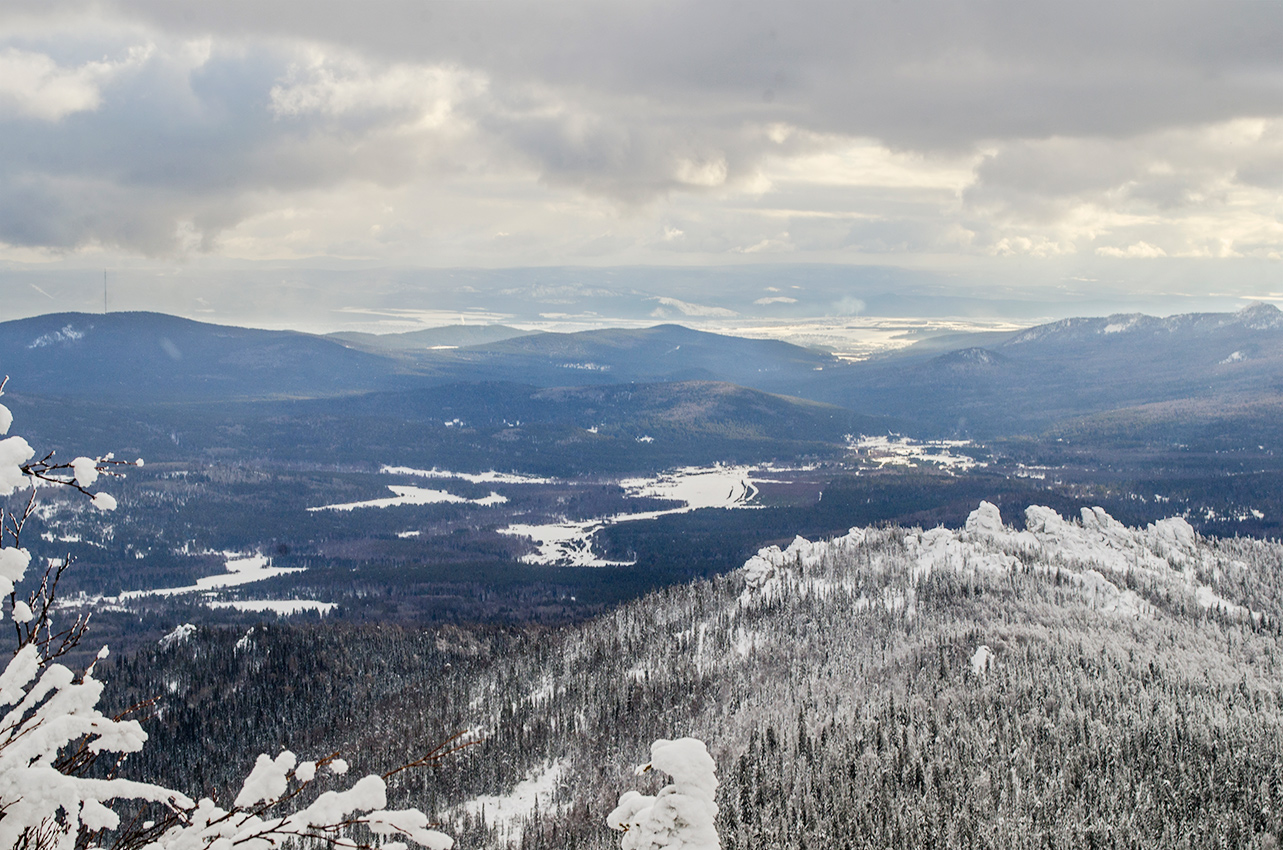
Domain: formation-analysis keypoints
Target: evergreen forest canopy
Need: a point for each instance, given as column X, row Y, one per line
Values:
column 1073, row 684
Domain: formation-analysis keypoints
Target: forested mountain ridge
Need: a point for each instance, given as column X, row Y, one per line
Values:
column 1071, row 684
column 1051, row 376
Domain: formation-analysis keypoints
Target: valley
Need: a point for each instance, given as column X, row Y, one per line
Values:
column 407, row 493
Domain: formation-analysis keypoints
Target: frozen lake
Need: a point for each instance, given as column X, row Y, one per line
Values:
column 569, row 542
column 408, row 494
column 241, row 569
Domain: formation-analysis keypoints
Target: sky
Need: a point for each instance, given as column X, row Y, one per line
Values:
column 286, row 155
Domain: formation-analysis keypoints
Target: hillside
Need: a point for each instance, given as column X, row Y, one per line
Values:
column 1032, row 380
column 1067, row 683
column 152, row 357
column 617, row 355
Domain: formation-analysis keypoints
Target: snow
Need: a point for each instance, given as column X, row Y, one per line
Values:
column 267, row 780
column 240, row 570
column 85, row 470
column 697, row 487
column 14, row 451
column 683, row 815
column 569, row 542
column 13, row 566
column 22, row 612
column 894, row 450
column 1119, row 327
column 491, row 477
column 981, row 660
column 181, row 634
column 1095, row 554
column 1209, row 598
column 505, row 813
column 407, row 494
column 67, row 334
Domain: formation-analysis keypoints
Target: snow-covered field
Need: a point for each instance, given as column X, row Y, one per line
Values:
column 894, row 450
column 507, row 813
column 408, row 494
column 241, row 569
column 490, row 477
column 569, row 542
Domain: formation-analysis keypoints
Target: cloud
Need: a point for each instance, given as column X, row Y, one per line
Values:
column 33, row 85
column 848, row 306
column 414, row 131
column 1142, row 250
column 686, row 308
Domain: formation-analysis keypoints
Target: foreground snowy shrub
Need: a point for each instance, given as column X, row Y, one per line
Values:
column 52, row 732
column 683, row 815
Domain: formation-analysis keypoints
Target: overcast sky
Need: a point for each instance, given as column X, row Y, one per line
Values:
column 1037, row 141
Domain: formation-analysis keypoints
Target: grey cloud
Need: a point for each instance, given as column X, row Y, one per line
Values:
column 934, row 73
column 634, row 101
column 173, row 144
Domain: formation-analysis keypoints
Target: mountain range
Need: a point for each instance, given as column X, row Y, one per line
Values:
column 1128, row 375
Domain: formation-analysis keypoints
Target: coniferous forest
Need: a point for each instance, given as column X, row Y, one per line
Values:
column 1075, row 684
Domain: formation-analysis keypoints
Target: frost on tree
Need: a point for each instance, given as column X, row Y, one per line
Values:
column 683, row 815
column 51, row 730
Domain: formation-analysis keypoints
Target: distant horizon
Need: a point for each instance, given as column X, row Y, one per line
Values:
column 850, row 337
column 391, row 299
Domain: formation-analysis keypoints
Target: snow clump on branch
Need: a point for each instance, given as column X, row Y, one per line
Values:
column 683, row 815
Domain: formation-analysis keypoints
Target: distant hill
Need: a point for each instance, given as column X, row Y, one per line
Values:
column 449, row 336
column 1031, row 380
column 1179, row 375
column 154, row 357
column 141, row 356
column 615, row 356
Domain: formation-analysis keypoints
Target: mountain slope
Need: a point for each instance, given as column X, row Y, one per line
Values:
column 1044, row 686
column 153, row 357
column 1034, row 379
column 616, row 356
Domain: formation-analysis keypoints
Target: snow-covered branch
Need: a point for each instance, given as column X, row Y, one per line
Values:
column 683, row 815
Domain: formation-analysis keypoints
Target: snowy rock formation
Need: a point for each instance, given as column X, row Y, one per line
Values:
column 1096, row 553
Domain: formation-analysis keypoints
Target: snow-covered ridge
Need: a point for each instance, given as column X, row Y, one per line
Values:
column 1095, row 553
column 1255, row 317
